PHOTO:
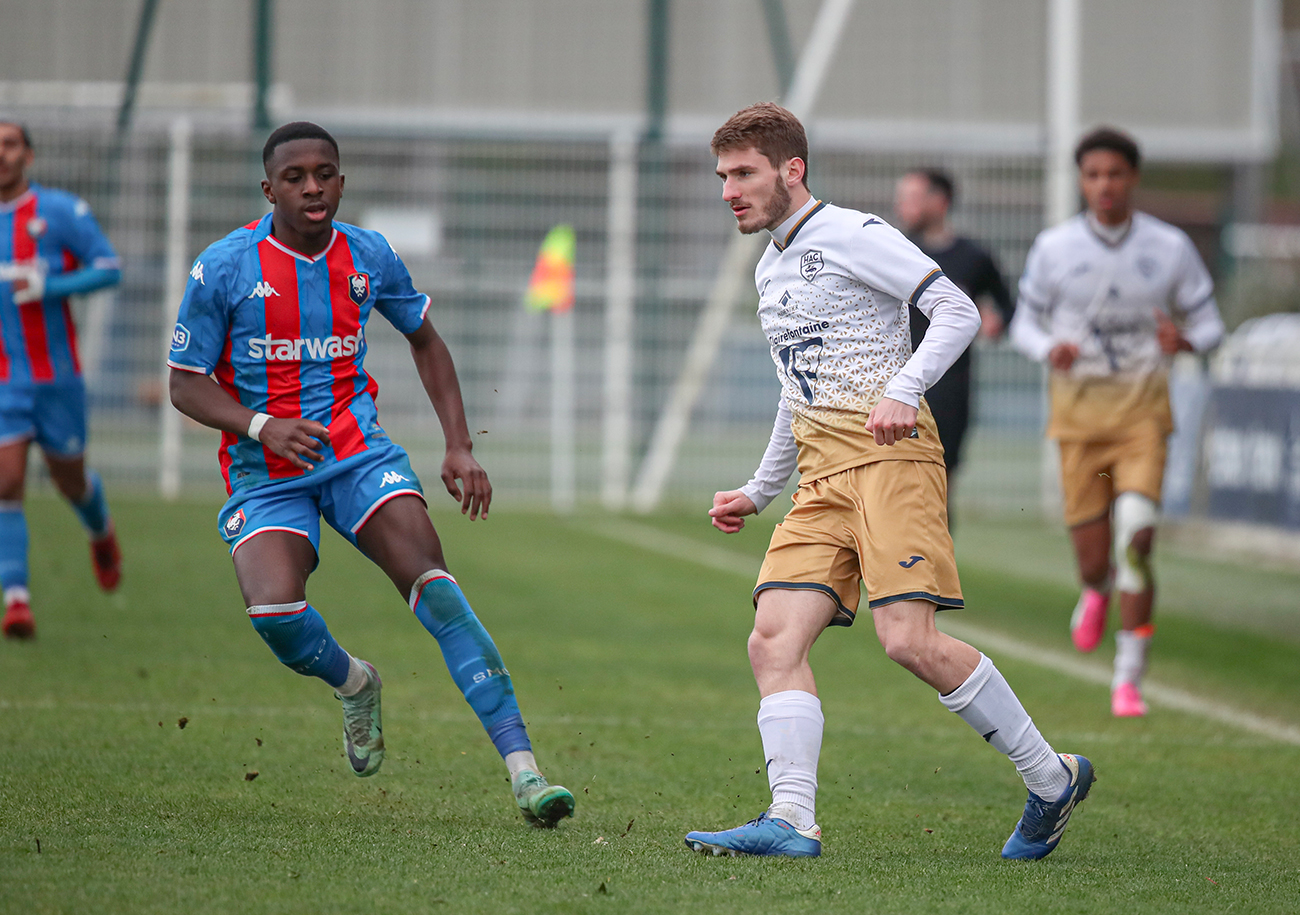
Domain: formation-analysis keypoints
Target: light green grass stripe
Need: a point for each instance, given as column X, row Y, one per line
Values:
column 722, row 559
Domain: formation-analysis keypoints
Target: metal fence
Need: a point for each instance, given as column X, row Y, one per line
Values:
column 471, row 212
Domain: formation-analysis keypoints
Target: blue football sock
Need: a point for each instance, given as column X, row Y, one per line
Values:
column 475, row 664
column 93, row 508
column 300, row 639
column 13, row 545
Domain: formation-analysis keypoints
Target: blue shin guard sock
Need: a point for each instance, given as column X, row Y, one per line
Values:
column 13, row 546
column 93, row 508
column 475, row 664
column 299, row 638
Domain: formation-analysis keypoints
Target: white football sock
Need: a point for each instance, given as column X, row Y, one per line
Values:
column 357, row 678
column 520, row 761
column 791, row 724
column 985, row 702
column 1130, row 657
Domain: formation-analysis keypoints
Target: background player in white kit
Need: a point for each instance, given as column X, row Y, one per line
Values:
column 1107, row 298
column 834, row 287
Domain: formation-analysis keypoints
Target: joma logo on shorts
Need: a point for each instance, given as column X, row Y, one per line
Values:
column 279, row 349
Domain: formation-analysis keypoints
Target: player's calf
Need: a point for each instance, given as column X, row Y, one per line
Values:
column 18, row 623
column 477, row 669
column 298, row 636
column 472, row 658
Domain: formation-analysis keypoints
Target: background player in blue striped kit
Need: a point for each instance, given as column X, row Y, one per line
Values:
column 276, row 314
column 50, row 248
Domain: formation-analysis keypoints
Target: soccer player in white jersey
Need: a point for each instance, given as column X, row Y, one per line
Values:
column 834, row 286
column 1107, row 298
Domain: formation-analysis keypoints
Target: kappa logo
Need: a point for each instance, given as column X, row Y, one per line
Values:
column 262, row 290
column 234, row 524
column 911, row 561
column 392, row 476
column 180, row 337
column 197, row 273
column 359, row 287
column 811, row 264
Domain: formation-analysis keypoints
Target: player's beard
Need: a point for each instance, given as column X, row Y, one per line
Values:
column 775, row 210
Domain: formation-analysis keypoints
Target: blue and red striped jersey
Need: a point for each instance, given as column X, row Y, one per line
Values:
column 55, row 232
column 284, row 334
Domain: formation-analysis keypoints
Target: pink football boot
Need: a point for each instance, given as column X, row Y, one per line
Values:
column 1089, row 619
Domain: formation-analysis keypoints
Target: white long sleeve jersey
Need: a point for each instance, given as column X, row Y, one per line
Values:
column 834, row 286
column 1079, row 288
column 1103, row 296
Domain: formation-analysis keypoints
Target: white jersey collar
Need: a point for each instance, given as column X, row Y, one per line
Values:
column 783, row 234
column 298, row 254
column 18, row 201
column 1111, row 235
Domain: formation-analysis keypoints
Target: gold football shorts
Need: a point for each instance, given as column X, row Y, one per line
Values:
column 1094, row 473
column 884, row 524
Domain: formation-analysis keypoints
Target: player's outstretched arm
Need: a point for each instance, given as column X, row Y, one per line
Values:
column 729, row 510
column 438, row 375
column 199, row 398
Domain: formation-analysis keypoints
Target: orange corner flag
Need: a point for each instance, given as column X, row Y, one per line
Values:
column 551, row 285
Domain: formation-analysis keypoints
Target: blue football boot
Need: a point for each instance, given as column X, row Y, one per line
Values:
column 766, row 835
column 1039, row 830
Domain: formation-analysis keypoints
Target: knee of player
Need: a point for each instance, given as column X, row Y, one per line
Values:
column 1143, row 541
column 903, row 647
column 1135, row 518
column 770, row 649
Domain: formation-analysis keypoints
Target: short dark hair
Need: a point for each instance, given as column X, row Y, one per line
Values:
column 767, row 127
column 1109, row 138
column 295, row 130
column 22, row 129
column 939, row 181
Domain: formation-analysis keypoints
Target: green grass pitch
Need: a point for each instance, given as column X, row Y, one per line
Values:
column 628, row 656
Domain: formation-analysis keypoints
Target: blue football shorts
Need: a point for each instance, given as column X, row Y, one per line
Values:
column 52, row 414
column 345, row 494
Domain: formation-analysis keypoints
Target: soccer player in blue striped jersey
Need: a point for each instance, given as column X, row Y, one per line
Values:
column 50, row 248
column 275, row 315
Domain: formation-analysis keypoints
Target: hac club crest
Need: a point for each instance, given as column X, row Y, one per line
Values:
column 359, row 287
column 811, row 264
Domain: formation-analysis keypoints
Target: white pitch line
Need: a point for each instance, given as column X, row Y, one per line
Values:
column 722, row 559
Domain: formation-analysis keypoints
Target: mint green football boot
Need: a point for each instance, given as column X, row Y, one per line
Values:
column 363, row 730
column 541, row 803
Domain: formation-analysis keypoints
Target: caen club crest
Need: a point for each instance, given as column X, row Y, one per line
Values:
column 359, row 287
column 234, row 524
column 36, row 227
column 811, row 264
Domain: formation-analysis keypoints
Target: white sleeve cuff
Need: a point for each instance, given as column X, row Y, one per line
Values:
column 1206, row 333
column 780, row 460
column 1028, row 337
